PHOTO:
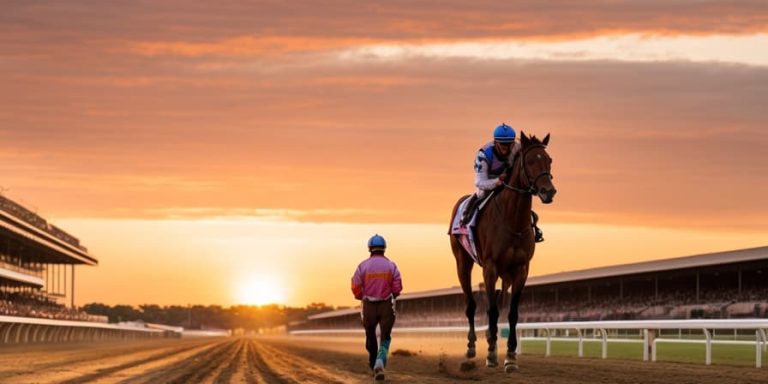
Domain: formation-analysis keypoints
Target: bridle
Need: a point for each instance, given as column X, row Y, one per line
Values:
column 532, row 188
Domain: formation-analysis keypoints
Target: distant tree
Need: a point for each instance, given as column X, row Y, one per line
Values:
column 247, row 317
column 152, row 313
column 97, row 309
column 124, row 313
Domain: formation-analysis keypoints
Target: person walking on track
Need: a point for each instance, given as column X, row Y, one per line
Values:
column 377, row 283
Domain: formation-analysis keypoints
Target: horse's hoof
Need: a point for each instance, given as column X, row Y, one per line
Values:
column 491, row 363
column 510, row 363
column 471, row 353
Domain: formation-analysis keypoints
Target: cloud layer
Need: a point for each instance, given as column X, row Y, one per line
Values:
column 126, row 109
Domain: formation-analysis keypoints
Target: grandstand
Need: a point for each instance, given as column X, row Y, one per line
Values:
column 37, row 269
column 717, row 285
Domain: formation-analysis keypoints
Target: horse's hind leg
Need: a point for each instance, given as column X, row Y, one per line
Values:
column 464, row 266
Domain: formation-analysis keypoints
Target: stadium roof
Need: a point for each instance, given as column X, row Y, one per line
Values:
column 56, row 250
column 696, row 261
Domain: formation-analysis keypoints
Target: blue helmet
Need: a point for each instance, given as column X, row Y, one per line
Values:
column 377, row 241
column 504, row 134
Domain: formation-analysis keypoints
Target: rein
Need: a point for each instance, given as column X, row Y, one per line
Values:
column 532, row 189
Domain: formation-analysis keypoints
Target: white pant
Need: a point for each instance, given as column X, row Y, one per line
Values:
column 480, row 193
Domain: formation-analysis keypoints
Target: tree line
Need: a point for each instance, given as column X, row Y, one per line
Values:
column 247, row 317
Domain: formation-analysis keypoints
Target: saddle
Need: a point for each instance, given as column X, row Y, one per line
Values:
column 466, row 233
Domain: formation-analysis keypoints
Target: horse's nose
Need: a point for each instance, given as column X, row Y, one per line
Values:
column 547, row 195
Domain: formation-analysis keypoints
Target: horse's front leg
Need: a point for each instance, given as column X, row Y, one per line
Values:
column 490, row 277
column 510, row 363
column 471, row 337
column 517, row 284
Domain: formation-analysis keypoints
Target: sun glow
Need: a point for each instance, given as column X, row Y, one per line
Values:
column 260, row 290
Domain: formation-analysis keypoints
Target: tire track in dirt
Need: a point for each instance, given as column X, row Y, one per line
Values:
column 210, row 368
column 265, row 373
column 94, row 364
column 247, row 371
column 186, row 370
column 34, row 363
column 302, row 370
column 100, row 373
column 225, row 375
column 354, row 365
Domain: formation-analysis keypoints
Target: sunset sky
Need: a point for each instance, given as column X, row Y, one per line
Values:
column 206, row 151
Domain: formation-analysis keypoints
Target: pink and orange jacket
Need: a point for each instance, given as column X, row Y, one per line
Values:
column 375, row 279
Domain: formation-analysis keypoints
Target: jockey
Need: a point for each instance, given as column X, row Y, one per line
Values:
column 377, row 283
column 491, row 163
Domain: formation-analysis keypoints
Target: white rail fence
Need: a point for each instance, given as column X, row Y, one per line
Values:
column 649, row 329
column 22, row 330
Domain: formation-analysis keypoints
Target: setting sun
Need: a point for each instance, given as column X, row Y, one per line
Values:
column 260, row 290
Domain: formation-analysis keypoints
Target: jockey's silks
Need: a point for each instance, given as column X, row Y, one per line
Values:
column 488, row 167
column 497, row 166
column 376, row 278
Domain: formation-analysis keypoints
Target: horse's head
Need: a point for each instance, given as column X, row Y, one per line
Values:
column 536, row 166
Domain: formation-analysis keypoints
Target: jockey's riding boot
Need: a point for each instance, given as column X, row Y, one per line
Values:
column 538, row 236
column 469, row 210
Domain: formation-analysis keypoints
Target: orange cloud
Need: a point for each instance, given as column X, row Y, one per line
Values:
column 248, row 46
column 203, row 113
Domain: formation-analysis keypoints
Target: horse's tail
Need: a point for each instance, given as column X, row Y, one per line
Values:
column 453, row 213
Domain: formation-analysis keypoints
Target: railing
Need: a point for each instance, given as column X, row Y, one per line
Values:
column 33, row 270
column 648, row 329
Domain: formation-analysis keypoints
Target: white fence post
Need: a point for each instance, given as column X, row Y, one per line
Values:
column 708, row 335
column 758, row 349
column 581, row 343
column 549, row 342
column 646, row 346
column 604, row 334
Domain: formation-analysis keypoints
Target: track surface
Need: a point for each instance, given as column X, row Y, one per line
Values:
column 319, row 360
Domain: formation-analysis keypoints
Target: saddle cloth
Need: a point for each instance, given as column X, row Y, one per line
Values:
column 466, row 234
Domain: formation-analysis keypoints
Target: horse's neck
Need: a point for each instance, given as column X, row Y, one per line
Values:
column 517, row 205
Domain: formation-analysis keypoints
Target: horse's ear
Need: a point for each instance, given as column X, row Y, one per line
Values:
column 523, row 138
column 546, row 139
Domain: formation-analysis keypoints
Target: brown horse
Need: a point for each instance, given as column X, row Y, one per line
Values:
column 505, row 243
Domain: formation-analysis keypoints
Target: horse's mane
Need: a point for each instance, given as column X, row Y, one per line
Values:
column 532, row 141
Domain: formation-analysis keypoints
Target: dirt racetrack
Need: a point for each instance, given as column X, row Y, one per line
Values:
column 324, row 360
